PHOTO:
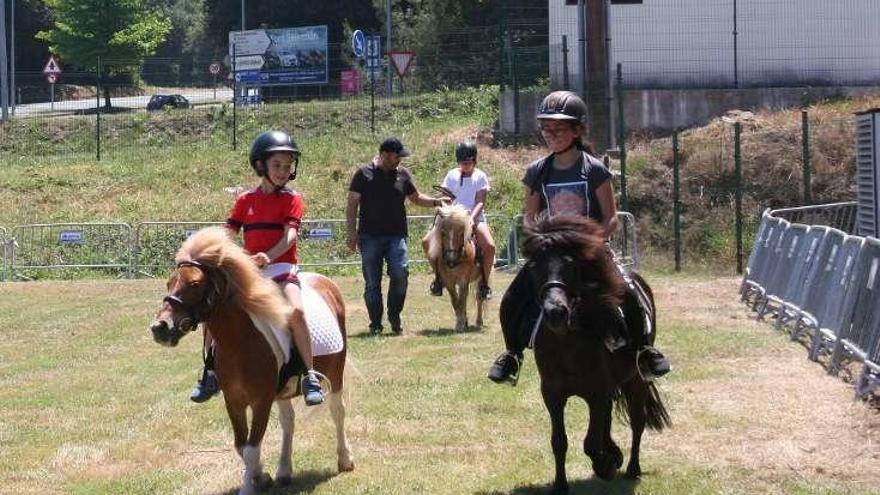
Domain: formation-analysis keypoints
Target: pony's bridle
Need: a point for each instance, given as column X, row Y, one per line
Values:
column 194, row 313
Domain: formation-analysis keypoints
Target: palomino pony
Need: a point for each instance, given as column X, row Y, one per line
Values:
column 579, row 291
column 217, row 284
column 453, row 252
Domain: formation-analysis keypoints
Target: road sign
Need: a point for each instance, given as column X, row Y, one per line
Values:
column 52, row 66
column 214, row 68
column 52, row 78
column 249, row 62
column 358, row 43
column 401, row 61
column 374, row 53
column 249, row 42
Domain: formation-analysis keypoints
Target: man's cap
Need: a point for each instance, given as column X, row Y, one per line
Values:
column 394, row 145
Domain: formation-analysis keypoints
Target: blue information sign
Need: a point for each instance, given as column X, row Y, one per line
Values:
column 280, row 56
column 358, row 43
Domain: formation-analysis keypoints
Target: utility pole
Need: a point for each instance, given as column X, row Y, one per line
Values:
column 582, row 49
column 598, row 102
column 4, row 66
column 388, row 45
column 12, row 57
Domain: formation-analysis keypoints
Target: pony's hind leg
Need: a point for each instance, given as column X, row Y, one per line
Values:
column 286, row 416
column 635, row 391
column 345, row 461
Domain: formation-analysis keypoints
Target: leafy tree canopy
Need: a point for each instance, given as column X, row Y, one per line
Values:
column 118, row 31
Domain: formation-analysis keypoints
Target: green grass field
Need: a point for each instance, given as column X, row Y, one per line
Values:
column 89, row 404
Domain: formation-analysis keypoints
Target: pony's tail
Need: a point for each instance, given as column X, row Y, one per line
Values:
column 656, row 415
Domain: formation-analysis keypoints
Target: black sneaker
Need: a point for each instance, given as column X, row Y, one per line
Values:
column 206, row 388
column 505, row 369
column 396, row 328
column 484, row 292
column 375, row 329
column 436, row 287
column 653, row 362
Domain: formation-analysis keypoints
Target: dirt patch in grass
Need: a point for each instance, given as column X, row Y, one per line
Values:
column 771, row 410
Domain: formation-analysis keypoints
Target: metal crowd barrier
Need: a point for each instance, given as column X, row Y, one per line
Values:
column 98, row 247
column 841, row 216
column 156, row 243
column 5, row 247
column 821, row 283
column 624, row 241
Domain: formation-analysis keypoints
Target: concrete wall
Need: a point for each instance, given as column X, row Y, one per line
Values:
column 664, row 110
column 689, row 43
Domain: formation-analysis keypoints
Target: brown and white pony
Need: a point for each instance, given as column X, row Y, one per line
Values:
column 217, row 284
column 453, row 252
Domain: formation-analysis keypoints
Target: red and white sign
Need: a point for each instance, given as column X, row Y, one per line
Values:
column 401, row 61
column 350, row 82
column 52, row 78
column 214, row 68
column 52, row 66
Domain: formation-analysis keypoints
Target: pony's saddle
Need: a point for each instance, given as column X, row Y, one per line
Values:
column 326, row 336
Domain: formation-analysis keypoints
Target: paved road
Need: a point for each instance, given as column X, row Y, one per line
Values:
column 201, row 97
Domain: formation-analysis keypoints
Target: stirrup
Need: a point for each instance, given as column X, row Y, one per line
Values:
column 512, row 376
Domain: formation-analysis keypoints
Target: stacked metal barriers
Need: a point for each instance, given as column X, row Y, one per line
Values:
column 821, row 283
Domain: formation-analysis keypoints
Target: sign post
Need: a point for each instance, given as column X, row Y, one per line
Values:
column 401, row 62
column 52, row 70
column 214, row 69
column 373, row 59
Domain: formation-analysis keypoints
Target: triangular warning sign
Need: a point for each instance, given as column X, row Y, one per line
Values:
column 52, row 66
column 401, row 61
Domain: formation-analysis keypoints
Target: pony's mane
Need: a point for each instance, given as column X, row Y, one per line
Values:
column 257, row 295
column 578, row 236
column 449, row 216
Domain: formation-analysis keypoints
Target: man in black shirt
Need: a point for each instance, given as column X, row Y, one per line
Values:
column 376, row 225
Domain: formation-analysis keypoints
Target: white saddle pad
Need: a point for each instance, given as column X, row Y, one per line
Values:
column 326, row 335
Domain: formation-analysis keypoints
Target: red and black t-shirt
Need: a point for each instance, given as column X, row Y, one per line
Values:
column 263, row 216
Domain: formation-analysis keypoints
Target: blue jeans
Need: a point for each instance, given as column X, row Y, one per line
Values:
column 376, row 249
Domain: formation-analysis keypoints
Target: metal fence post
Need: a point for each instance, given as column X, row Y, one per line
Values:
column 565, row 62
column 805, row 141
column 737, row 160
column 515, row 84
column 98, row 114
column 676, row 204
column 621, row 139
column 234, row 102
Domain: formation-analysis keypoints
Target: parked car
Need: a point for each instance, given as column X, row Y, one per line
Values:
column 158, row 102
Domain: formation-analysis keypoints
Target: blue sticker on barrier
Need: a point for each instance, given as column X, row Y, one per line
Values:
column 70, row 237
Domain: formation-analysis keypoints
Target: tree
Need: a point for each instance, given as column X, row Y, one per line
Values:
column 118, row 33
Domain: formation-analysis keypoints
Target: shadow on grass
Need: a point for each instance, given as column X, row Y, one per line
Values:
column 303, row 482
column 592, row 486
column 445, row 332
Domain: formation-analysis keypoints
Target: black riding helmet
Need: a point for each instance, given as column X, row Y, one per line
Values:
column 270, row 142
column 465, row 150
column 563, row 105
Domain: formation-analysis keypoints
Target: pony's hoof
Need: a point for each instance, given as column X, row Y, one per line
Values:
column 559, row 488
column 633, row 472
column 605, row 469
column 263, row 482
column 345, row 467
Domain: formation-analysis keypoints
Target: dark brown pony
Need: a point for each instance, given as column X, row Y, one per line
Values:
column 217, row 284
column 452, row 250
column 579, row 291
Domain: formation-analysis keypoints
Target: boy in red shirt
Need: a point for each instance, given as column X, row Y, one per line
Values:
column 269, row 217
